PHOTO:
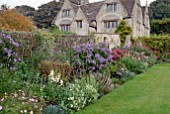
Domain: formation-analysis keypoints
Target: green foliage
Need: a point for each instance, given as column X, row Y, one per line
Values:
column 159, row 9
column 21, row 101
column 123, row 29
column 73, row 96
column 79, row 94
column 160, row 26
column 53, row 110
column 159, row 45
column 9, row 82
column 134, row 65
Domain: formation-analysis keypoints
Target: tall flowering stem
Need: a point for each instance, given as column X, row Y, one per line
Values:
column 91, row 57
column 8, row 51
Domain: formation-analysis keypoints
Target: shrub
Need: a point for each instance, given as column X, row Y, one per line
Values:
column 160, row 26
column 10, row 19
column 159, row 46
column 63, row 69
column 123, row 30
column 123, row 75
column 79, row 94
column 117, row 54
column 91, row 57
column 133, row 65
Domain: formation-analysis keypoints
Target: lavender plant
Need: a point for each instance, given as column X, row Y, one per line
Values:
column 91, row 57
column 8, row 49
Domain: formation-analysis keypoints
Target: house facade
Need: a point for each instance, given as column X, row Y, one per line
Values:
column 103, row 17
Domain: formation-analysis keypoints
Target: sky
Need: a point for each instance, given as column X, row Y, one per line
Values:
column 36, row 3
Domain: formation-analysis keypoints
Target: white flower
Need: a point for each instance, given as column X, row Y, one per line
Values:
column 71, row 106
column 52, row 73
column 2, row 99
column 21, row 111
column 25, row 111
column 61, row 82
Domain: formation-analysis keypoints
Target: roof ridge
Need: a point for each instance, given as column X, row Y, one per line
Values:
column 92, row 3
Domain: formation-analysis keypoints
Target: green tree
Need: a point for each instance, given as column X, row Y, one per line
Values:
column 123, row 29
column 159, row 9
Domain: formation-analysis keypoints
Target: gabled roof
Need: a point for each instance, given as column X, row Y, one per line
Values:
column 75, row 7
column 91, row 10
column 128, row 4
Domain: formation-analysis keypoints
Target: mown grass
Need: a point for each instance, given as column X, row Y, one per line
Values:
column 148, row 93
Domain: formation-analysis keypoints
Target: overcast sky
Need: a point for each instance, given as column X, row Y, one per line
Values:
column 36, row 3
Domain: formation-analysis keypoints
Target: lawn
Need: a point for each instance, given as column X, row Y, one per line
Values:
column 148, row 93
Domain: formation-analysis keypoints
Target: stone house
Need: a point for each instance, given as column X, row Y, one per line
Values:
column 103, row 17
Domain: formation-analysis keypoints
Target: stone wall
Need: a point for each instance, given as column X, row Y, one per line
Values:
column 112, row 40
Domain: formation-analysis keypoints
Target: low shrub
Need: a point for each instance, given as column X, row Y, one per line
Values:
column 136, row 66
column 72, row 96
column 53, row 110
column 117, row 54
column 21, row 102
column 79, row 94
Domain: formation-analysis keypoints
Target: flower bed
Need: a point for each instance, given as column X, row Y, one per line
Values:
column 64, row 82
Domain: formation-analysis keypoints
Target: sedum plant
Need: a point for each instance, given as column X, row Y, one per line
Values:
column 53, row 110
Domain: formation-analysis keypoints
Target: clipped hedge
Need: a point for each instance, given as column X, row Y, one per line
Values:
column 160, row 26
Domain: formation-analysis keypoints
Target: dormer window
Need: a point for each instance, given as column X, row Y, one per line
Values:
column 112, row 7
column 66, row 13
column 79, row 24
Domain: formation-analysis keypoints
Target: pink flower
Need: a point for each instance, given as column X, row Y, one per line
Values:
column 25, row 111
column 41, row 109
column 31, row 112
column 0, row 107
column 31, row 100
column 36, row 106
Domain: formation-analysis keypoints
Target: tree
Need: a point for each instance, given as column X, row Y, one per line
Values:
column 159, row 9
column 10, row 19
column 46, row 13
column 123, row 30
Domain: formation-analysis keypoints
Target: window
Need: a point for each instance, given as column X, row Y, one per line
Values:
column 66, row 13
column 65, row 27
column 79, row 24
column 112, row 7
column 110, row 24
